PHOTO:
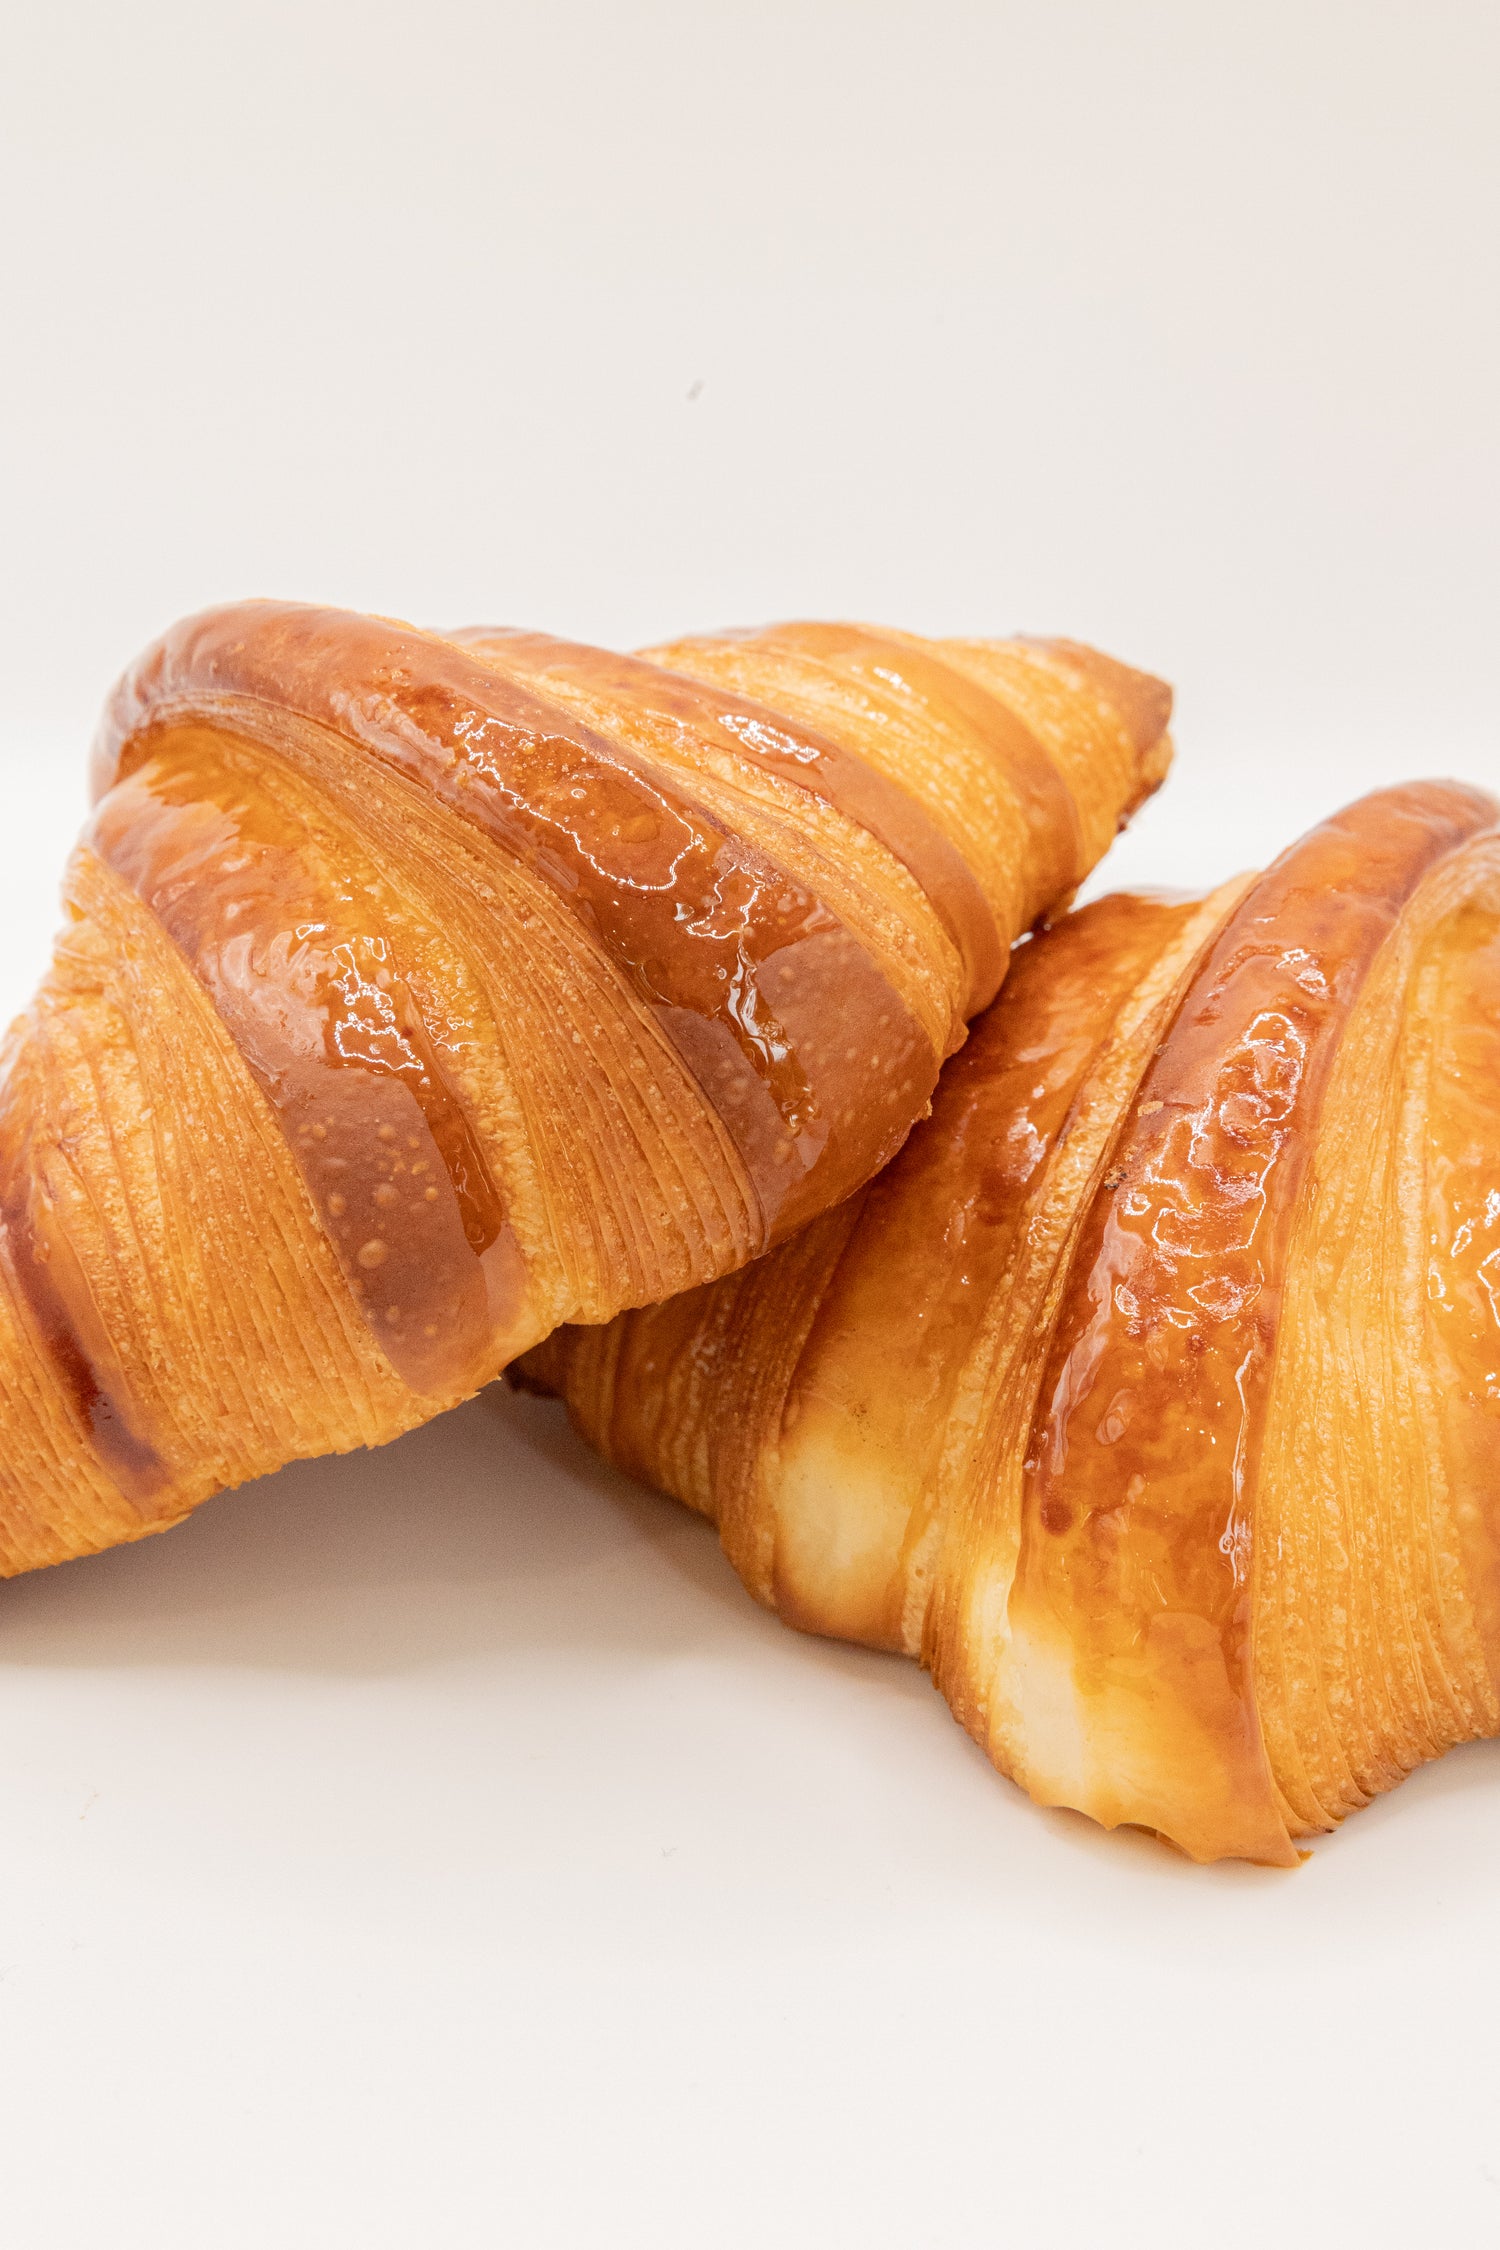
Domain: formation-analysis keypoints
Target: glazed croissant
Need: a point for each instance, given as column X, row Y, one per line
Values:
column 1152, row 1396
column 421, row 992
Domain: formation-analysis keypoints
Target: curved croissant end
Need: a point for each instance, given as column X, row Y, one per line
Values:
column 420, row 992
column 1152, row 1396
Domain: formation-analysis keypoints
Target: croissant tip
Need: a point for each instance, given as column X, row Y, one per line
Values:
column 1141, row 701
column 1152, row 767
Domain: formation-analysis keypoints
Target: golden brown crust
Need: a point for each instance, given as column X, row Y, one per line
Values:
column 679, row 723
column 1383, row 1513
column 1191, row 1507
column 422, row 992
column 1137, row 1516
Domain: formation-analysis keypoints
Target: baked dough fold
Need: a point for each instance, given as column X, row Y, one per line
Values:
column 420, row 991
column 1151, row 1397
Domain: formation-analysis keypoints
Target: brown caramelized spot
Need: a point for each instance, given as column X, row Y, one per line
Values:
column 793, row 752
column 310, row 989
column 757, row 984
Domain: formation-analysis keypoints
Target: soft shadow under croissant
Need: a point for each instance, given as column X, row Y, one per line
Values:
column 422, row 991
column 1152, row 1396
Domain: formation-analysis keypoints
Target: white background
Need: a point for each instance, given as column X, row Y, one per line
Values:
column 436, row 1847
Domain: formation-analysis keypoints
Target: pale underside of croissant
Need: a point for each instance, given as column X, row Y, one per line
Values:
column 1152, row 1396
column 419, row 992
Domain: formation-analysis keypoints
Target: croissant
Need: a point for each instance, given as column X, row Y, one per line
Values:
column 419, row 992
column 1152, row 1396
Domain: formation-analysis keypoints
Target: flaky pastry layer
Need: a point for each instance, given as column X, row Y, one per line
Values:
column 1151, row 1396
column 421, row 991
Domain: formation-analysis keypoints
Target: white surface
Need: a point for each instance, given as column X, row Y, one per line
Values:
column 436, row 1847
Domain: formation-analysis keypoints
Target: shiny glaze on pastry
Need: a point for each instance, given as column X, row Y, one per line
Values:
column 420, row 991
column 1150, row 1397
